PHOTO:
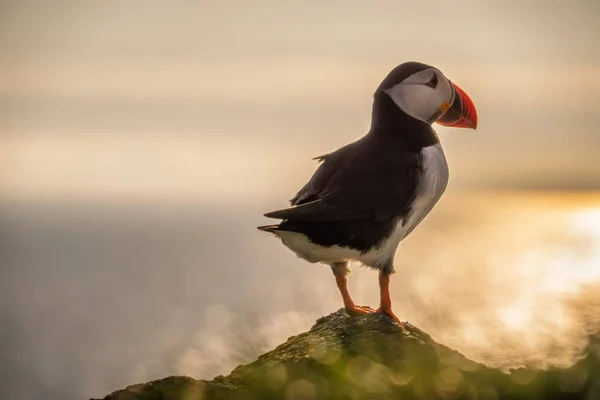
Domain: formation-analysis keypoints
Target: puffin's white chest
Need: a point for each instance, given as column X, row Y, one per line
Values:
column 432, row 183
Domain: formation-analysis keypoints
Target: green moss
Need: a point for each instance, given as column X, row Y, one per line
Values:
column 370, row 357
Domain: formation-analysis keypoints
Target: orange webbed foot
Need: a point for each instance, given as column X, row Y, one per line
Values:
column 386, row 302
column 389, row 313
column 359, row 310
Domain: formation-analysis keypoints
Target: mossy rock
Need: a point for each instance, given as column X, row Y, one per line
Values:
column 371, row 357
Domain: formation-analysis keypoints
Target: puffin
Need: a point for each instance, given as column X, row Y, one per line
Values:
column 367, row 196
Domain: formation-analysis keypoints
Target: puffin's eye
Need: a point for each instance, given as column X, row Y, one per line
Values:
column 433, row 82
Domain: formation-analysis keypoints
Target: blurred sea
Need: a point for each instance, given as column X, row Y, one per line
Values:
column 94, row 297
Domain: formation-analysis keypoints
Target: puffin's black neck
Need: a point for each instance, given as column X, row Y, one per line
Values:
column 390, row 123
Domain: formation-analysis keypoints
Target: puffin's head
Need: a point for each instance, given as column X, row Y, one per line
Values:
column 424, row 93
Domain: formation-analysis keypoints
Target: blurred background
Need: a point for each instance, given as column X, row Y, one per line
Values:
column 141, row 141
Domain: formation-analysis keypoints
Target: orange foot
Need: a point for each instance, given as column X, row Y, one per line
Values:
column 389, row 313
column 359, row 310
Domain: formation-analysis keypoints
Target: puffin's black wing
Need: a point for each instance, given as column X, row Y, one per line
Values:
column 330, row 163
column 357, row 182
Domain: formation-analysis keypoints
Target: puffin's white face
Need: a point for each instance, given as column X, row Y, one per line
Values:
column 425, row 95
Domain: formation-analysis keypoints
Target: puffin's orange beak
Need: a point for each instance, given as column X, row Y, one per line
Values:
column 462, row 112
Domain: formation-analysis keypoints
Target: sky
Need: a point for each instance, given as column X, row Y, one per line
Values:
column 137, row 100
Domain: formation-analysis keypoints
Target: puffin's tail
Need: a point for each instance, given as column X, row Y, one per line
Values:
column 269, row 228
